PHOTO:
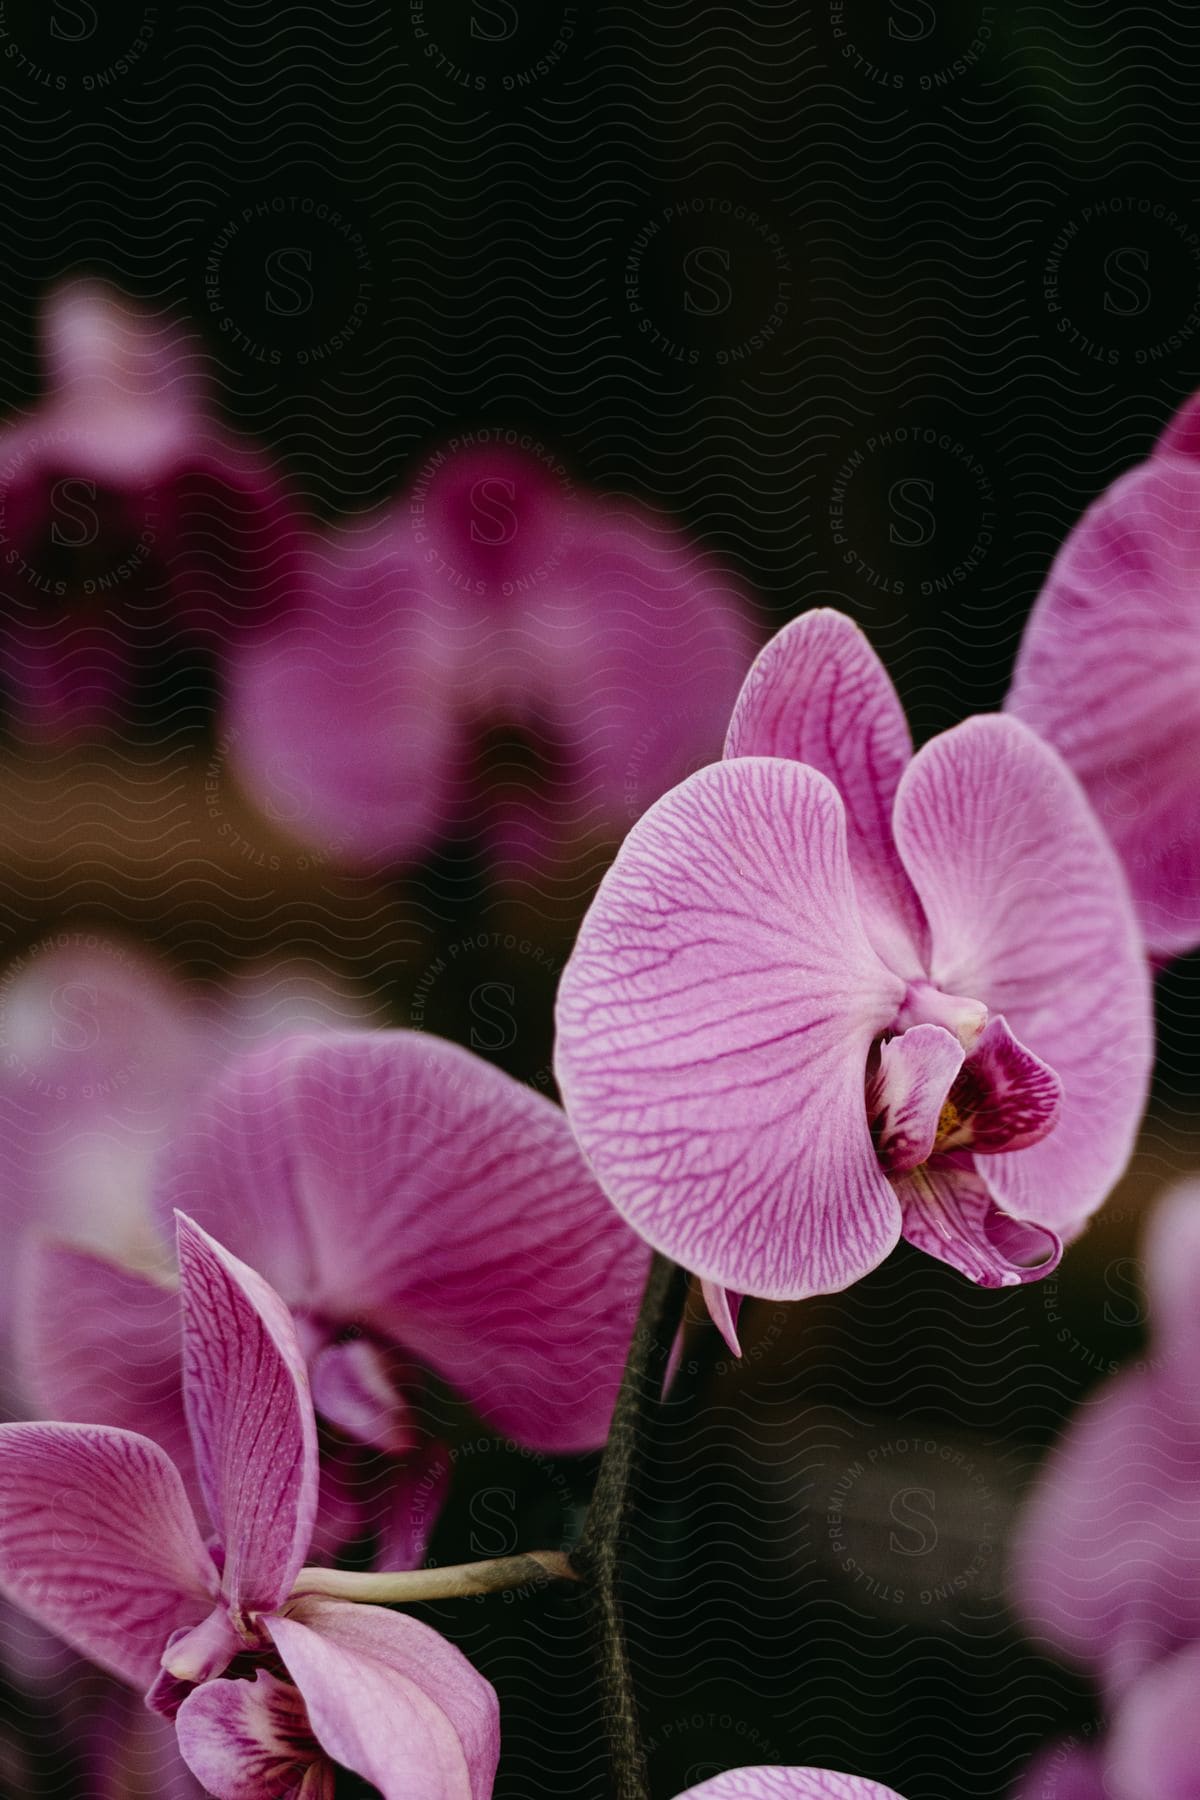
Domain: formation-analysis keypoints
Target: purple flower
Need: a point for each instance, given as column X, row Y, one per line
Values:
column 1151, row 1752
column 99, row 1543
column 1109, row 673
column 102, row 1050
column 1107, row 1556
column 788, row 1784
column 127, row 517
column 492, row 658
column 416, row 1208
column 830, row 993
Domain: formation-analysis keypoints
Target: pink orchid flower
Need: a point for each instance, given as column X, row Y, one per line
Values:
column 1109, row 673
column 831, row 993
column 102, row 1050
column 1106, row 1560
column 270, row 1693
column 416, row 1208
column 1151, row 1751
column 504, row 662
column 788, row 1784
column 128, row 516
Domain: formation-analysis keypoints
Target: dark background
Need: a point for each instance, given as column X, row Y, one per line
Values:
column 874, row 296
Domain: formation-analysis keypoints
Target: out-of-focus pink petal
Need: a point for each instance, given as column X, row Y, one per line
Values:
column 250, row 1414
column 390, row 1699
column 949, row 1213
column 354, row 1388
column 98, row 1542
column 1065, row 1771
column 1172, row 1266
column 906, row 1091
column 100, row 1344
column 1109, row 673
column 1154, row 1744
column 344, row 726
column 102, row 349
column 1105, row 1566
column 409, row 1503
column 1181, row 434
column 819, row 694
column 1029, row 913
column 788, row 1784
column 714, row 1023
column 247, row 1740
column 394, row 1181
column 635, row 653
column 1005, row 1098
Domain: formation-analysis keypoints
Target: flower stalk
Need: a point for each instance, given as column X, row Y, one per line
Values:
column 453, row 1582
column 599, row 1554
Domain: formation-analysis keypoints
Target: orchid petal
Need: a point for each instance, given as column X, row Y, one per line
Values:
column 788, row 1784
column 1029, row 913
column 1005, row 1098
column 354, row 1389
column 98, row 1543
column 1065, row 1771
column 344, row 726
column 251, row 1419
column 818, row 694
column 100, row 1344
column 390, row 1699
column 1109, row 673
column 1105, row 1567
column 723, row 1309
column 1154, row 1748
column 906, row 1092
column 247, row 1740
column 714, row 1023
column 391, row 1180
column 1172, row 1279
column 949, row 1213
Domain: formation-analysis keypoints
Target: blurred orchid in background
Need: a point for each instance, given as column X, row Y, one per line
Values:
column 103, row 1047
column 269, row 1692
column 496, row 658
column 416, row 1208
column 1107, row 1556
column 129, row 518
column 830, row 993
column 1109, row 673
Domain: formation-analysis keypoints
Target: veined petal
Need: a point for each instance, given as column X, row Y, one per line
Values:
column 949, row 1213
column 247, row 1740
column 906, row 1091
column 392, row 1179
column 390, row 1699
column 1109, row 673
column 1005, row 1098
column 1104, row 1558
column 251, row 1419
column 98, row 1542
column 1154, row 1748
column 100, row 1344
column 714, row 1022
column 818, row 694
column 788, row 1784
column 1029, row 912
